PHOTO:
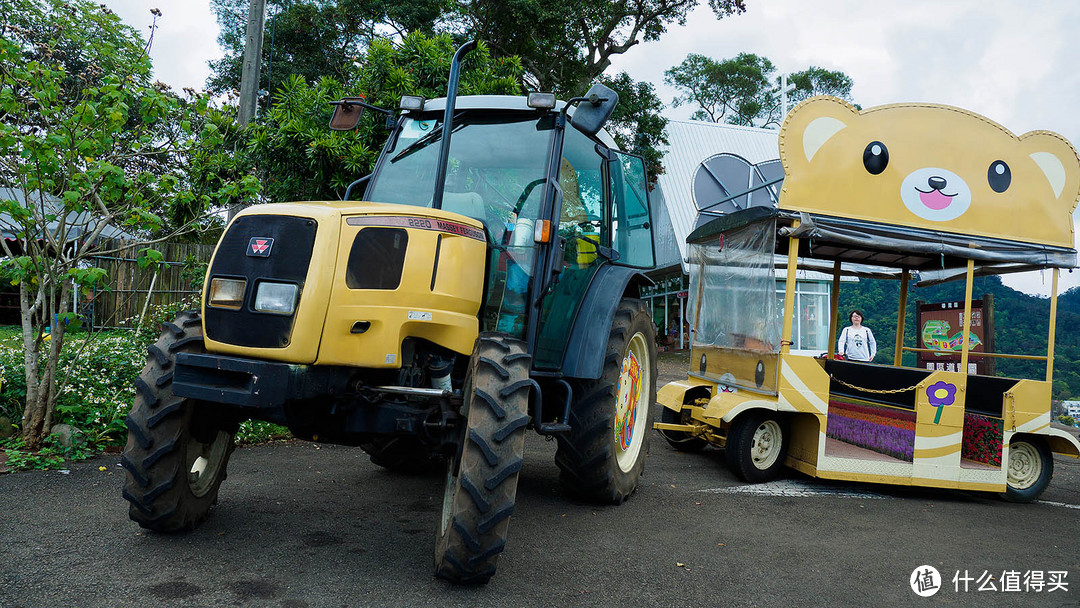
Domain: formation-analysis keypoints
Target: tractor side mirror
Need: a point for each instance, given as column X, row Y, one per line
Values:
column 347, row 113
column 595, row 109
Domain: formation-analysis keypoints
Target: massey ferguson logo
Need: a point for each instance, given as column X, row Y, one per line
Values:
column 259, row 247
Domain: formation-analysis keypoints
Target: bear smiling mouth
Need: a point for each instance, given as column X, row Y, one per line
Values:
column 935, row 199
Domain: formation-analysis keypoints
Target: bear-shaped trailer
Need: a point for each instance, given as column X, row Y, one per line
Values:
column 901, row 190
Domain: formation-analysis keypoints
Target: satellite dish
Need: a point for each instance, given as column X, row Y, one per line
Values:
column 719, row 178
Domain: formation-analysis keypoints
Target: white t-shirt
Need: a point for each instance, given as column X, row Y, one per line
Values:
column 857, row 344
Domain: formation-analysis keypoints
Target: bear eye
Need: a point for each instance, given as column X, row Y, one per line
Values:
column 875, row 157
column 999, row 176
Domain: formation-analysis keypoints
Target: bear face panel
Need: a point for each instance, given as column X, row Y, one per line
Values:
column 929, row 166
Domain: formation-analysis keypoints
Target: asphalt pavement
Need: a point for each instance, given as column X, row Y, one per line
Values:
column 302, row 524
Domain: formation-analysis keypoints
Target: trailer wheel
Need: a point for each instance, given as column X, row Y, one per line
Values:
column 481, row 480
column 1031, row 466
column 602, row 456
column 680, row 440
column 176, row 454
column 756, row 446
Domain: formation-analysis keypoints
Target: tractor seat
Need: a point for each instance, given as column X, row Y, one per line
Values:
column 469, row 204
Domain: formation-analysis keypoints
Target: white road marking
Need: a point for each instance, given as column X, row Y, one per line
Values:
column 1057, row 504
column 799, row 489
column 795, row 489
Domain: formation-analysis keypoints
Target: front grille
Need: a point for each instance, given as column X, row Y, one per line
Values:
column 288, row 261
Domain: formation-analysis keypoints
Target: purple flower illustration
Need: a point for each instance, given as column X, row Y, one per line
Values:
column 941, row 394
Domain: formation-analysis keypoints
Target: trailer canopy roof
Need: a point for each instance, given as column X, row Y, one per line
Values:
column 851, row 241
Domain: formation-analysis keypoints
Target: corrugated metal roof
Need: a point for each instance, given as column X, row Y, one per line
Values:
column 75, row 224
column 667, row 249
column 689, row 143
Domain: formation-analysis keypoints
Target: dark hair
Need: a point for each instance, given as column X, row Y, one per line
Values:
column 856, row 312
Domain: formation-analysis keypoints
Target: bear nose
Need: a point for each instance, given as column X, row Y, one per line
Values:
column 937, row 183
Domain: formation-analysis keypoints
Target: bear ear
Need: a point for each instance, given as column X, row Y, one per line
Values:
column 1057, row 159
column 809, row 125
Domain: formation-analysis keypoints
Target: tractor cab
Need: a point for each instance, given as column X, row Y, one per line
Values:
column 555, row 201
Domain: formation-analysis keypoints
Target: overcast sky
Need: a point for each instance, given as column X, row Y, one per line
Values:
column 1015, row 63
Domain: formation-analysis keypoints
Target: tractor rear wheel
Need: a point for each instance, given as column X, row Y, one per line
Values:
column 602, row 456
column 481, row 481
column 176, row 455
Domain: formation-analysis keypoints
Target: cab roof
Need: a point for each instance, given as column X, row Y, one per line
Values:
column 500, row 102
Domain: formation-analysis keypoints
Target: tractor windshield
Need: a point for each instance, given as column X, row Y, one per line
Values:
column 497, row 163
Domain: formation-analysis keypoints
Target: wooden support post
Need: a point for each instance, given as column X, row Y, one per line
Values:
column 1053, row 327
column 967, row 317
column 789, row 292
column 834, row 305
column 898, row 357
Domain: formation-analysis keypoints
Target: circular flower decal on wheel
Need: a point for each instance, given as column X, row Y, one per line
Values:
column 941, row 394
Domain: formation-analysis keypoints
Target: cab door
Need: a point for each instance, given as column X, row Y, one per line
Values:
column 605, row 215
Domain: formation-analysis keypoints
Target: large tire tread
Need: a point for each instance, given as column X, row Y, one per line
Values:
column 156, row 484
column 481, row 496
column 586, row 454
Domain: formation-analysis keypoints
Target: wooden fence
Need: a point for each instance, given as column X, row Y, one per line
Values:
column 133, row 291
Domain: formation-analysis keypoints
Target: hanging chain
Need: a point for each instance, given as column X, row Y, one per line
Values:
column 876, row 391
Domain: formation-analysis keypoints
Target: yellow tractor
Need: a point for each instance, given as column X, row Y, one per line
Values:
column 486, row 284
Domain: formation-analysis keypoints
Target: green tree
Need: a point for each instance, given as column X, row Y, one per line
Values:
column 298, row 158
column 313, row 38
column 743, row 91
column 636, row 124
column 88, row 152
column 564, row 46
column 733, row 90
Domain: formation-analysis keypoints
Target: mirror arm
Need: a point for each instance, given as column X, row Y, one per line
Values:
column 356, row 183
column 573, row 101
column 362, row 104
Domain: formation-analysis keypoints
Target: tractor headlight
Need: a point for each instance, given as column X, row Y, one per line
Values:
column 227, row 293
column 277, row 298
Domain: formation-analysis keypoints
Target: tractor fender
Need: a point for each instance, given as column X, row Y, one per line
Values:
column 584, row 352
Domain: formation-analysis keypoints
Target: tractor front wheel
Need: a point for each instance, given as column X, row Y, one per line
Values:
column 176, row 454
column 481, row 481
column 602, row 456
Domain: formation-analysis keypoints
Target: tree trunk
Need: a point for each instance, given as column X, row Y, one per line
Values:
column 40, row 387
column 33, row 412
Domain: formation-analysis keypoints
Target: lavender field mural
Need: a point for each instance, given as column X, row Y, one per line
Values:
column 885, row 430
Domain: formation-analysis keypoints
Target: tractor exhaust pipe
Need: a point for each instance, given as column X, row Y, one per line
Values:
column 448, row 119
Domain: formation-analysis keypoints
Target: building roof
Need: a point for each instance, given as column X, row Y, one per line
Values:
column 689, row 143
column 74, row 224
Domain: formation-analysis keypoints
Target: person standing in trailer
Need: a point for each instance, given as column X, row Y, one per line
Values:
column 857, row 341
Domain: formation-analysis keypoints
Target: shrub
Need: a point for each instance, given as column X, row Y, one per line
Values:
column 99, row 390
